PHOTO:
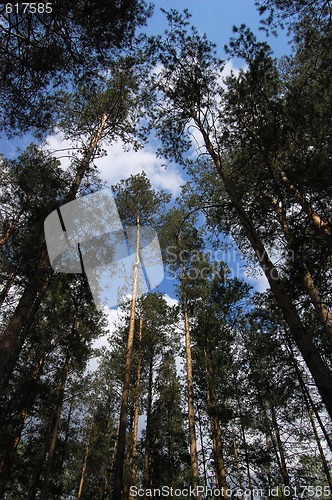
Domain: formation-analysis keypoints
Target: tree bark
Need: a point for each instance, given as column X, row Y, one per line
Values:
column 148, row 432
column 136, row 414
column 55, row 427
column 283, row 465
column 190, row 389
column 215, row 427
column 121, row 446
column 87, row 449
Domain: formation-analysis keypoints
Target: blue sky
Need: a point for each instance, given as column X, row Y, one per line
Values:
column 216, row 18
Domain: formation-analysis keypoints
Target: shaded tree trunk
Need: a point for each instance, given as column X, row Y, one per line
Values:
column 87, row 449
column 302, row 338
column 55, row 428
column 16, row 332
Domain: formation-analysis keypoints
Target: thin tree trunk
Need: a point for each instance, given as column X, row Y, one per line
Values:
column 15, row 334
column 87, row 450
column 12, row 226
column 5, row 290
column 302, row 338
column 137, row 395
column 190, row 388
column 55, row 427
column 120, row 452
column 284, row 470
column 269, row 478
column 320, row 448
column 215, row 425
column 148, row 432
column 201, row 436
column 236, row 455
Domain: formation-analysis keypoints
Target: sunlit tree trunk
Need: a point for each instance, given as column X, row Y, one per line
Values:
column 148, row 431
column 137, row 397
column 190, row 396
column 121, row 445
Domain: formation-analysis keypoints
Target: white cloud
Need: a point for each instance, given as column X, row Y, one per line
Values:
column 118, row 164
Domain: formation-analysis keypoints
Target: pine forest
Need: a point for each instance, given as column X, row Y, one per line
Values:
column 196, row 380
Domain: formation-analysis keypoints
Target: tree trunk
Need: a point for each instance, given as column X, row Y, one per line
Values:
column 283, row 465
column 236, row 455
column 121, row 446
column 55, row 427
column 201, row 438
column 148, row 432
column 5, row 290
column 215, row 425
column 136, row 415
column 320, row 448
column 87, row 449
column 302, row 338
column 190, row 388
column 14, row 336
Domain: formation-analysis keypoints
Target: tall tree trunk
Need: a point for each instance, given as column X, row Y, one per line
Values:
column 201, row 439
column 87, row 449
column 148, row 432
column 284, row 470
column 55, row 427
column 319, row 446
column 121, row 446
column 236, row 455
column 190, row 389
column 17, row 329
column 215, row 424
column 302, row 338
column 137, row 396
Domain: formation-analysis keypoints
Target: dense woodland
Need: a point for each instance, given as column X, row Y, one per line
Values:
column 224, row 387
